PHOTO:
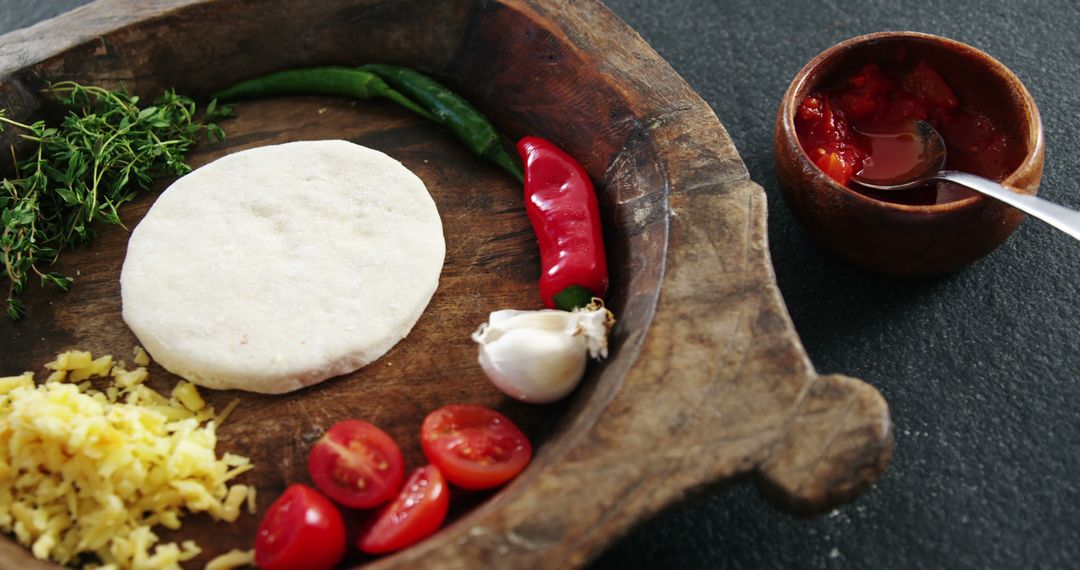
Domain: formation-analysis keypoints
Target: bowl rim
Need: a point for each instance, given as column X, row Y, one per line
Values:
column 1035, row 138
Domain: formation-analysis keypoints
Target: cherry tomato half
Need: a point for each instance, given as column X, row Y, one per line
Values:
column 357, row 464
column 300, row 530
column 476, row 448
column 417, row 513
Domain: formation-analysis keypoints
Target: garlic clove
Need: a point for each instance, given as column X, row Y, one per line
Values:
column 540, row 356
column 534, row 365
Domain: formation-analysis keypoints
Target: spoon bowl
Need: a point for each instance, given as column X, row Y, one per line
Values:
column 920, row 151
column 928, row 148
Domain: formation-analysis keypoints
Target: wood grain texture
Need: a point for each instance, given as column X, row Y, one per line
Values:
column 707, row 380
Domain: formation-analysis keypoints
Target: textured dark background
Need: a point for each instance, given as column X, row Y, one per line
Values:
column 981, row 368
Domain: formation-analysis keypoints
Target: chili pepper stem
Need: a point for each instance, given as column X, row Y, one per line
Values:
column 573, row 297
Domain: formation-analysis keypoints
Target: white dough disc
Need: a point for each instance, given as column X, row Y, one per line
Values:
column 278, row 267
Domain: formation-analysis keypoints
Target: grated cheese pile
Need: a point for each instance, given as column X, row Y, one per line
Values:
column 84, row 471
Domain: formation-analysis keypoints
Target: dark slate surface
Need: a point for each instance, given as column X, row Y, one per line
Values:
column 980, row 367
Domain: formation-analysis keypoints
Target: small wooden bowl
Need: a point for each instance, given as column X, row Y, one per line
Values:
column 900, row 239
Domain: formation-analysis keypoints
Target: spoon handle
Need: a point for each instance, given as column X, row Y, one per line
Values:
column 1062, row 218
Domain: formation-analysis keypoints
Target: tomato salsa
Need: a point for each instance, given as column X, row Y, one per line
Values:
column 837, row 128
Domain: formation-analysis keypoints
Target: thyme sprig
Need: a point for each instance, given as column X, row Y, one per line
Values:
column 106, row 150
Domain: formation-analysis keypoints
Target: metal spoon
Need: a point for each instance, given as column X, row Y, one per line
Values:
column 929, row 167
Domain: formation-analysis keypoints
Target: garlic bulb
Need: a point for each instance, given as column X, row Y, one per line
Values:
column 540, row 356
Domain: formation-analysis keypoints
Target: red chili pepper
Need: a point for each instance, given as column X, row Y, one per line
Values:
column 561, row 204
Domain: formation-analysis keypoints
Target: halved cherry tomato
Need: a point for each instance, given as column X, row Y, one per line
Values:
column 476, row 448
column 417, row 513
column 357, row 464
column 301, row 530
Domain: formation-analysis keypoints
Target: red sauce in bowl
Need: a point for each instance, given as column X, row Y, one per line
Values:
column 837, row 126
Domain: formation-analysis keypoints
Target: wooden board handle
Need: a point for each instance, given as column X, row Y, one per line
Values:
column 836, row 445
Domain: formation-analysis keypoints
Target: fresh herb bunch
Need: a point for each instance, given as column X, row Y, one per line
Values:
column 106, row 150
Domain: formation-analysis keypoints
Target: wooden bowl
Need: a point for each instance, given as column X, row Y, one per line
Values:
column 706, row 381
column 900, row 239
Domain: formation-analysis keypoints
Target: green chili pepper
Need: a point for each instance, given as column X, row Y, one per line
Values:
column 346, row 81
column 464, row 120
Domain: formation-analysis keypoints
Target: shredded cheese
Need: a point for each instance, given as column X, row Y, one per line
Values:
column 84, row 471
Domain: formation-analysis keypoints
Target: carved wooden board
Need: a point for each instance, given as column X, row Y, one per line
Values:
column 707, row 380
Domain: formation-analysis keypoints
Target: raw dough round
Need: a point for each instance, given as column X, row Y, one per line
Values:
column 278, row 267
